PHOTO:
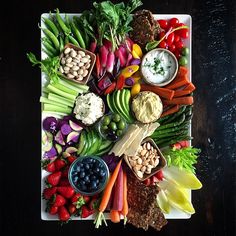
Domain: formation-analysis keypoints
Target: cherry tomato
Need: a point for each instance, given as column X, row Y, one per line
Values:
column 177, row 54
column 172, row 47
column 162, row 44
column 173, row 22
column 163, row 23
column 178, row 25
column 162, row 34
column 183, row 33
column 170, row 39
column 159, row 175
column 179, row 45
column 177, row 38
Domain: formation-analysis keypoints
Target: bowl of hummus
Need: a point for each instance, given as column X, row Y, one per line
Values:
column 147, row 107
column 159, row 67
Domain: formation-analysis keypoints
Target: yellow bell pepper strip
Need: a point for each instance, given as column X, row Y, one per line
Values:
column 137, row 51
column 129, row 70
column 135, row 89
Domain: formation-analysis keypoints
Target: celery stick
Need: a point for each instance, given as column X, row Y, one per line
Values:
column 60, row 114
column 69, row 86
column 65, row 89
column 45, row 90
column 50, row 107
column 61, row 93
column 48, row 101
column 59, row 99
column 77, row 85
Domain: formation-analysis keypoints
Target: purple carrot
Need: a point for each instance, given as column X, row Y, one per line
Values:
column 110, row 62
column 109, row 205
column 103, row 52
column 135, row 62
column 118, row 192
column 93, row 46
column 129, row 81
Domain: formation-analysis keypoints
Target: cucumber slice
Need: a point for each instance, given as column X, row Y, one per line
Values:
column 104, row 151
column 93, row 142
column 104, row 145
column 109, row 103
column 82, row 142
column 119, row 106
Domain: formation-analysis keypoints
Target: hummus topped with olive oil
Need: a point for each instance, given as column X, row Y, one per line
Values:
column 147, row 107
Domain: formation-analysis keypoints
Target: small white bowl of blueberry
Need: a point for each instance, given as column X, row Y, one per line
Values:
column 88, row 175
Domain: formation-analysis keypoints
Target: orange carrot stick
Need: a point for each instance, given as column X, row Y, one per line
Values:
column 180, row 93
column 106, row 196
column 171, row 110
column 182, row 71
column 190, row 87
column 162, row 92
column 125, row 200
column 115, row 216
column 178, row 83
column 188, row 100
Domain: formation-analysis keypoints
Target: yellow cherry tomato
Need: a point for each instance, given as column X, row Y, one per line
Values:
column 135, row 89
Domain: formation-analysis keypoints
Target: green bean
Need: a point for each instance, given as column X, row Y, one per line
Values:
column 51, row 26
column 77, row 34
column 73, row 40
column 49, row 54
column 52, row 37
column 60, row 21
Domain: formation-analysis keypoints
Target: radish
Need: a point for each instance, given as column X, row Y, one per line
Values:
column 103, row 52
column 107, row 44
column 118, row 192
column 93, row 46
column 110, row 62
column 129, row 59
column 121, row 55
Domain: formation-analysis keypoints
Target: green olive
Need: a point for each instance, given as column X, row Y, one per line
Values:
column 116, row 117
column 106, row 120
column 183, row 61
column 104, row 127
column 119, row 132
column 121, row 124
column 113, row 126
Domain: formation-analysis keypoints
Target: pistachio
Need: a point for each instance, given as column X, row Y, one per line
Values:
column 84, row 60
column 81, row 53
column 156, row 162
column 79, row 77
column 139, row 174
column 143, row 152
column 70, row 76
column 61, row 69
column 63, row 61
column 75, row 68
column 134, row 157
column 80, row 72
column 69, row 65
column 81, row 64
column 75, row 73
column 143, row 169
column 69, row 60
column 87, row 65
column 73, row 53
column 85, row 73
column 67, row 50
column 87, row 56
column 139, row 161
column 148, row 146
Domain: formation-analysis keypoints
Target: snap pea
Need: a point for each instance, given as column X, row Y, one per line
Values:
column 73, row 40
column 49, row 54
column 49, row 47
column 66, row 40
column 60, row 21
column 61, row 43
column 52, row 37
column 77, row 34
column 67, row 21
column 51, row 26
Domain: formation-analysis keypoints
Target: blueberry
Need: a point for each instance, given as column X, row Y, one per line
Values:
column 82, row 174
column 80, row 164
column 75, row 179
column 78, row 168
column 93, row 177
column 81, row 169
column 82, row 183
column 102, row 173
column 86, row 179
column 83, row 187
column 90, row 172
column 87, row 167
column 97, row 181
column 97, row 170
column 93, row 185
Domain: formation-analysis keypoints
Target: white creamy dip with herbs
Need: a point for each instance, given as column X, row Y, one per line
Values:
column 158, row 66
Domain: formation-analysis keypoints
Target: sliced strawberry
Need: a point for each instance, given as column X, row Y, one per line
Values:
column 154, row 180
column 86, row 199
column 59, row 200
column 85, row 212
column 49, row 192
column 59, row 164
column 66, row 191
column 64, row 173
column 147, row 182
column 63, row 214
column 54, row 178
column 53, row 210
column 78, row 200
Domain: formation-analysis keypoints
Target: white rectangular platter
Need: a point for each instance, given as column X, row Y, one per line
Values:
column 174, row 214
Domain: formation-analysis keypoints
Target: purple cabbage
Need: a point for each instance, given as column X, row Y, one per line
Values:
column 50, row 124
column 111, row 161
column 51, row 153
column 65, row 129
column 129, row 81
column 135, row 61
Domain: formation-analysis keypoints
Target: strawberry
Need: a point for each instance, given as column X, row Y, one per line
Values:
column 86, row 199
column 64, row 182
column 59, row 200
column 72, row 209
column 49, row 192
column 54, row 178
column 59, row 164
column 77, row 200
column 65, row 172
column 66, row 191
column 50, row 167
column 53, row 210
column 85, row 212
column 71, row 159
column 159, row 175
column 147, row 182
column 176, row 146
column 93, row 204
column 154, row 180
column 63, row 214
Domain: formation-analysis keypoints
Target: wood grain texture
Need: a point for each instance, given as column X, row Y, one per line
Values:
column 214, row 74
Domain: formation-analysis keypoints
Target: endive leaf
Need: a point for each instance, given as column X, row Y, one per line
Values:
column 182, row 178
column 163, row 202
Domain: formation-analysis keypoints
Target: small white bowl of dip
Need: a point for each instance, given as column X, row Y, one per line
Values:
column 159, row 67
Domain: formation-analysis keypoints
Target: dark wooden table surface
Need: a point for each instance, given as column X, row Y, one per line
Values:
column 214, row 71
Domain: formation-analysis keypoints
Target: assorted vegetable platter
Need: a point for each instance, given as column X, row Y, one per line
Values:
column 111, row 134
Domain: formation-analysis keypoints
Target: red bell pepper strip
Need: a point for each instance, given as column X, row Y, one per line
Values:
column 111, row 88
column 120, row 82
column 98, row 65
